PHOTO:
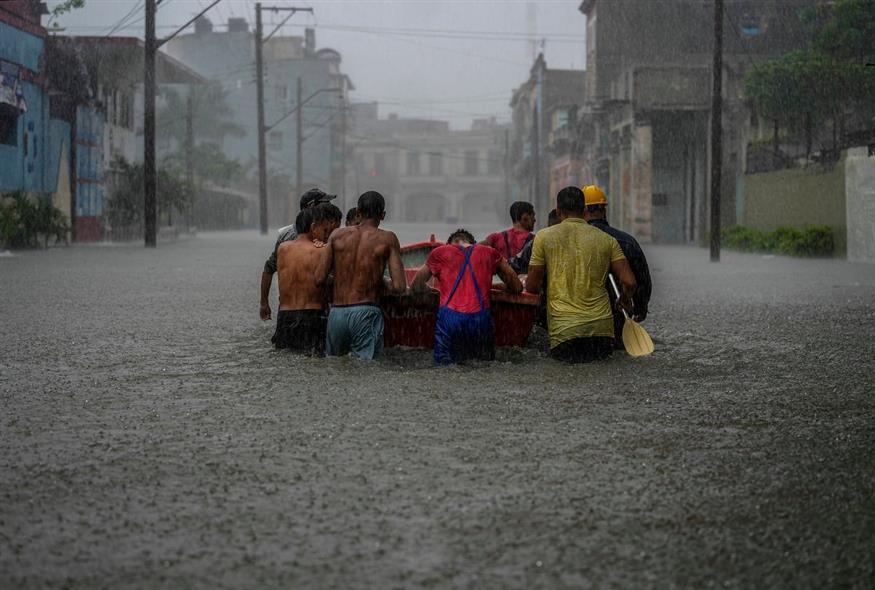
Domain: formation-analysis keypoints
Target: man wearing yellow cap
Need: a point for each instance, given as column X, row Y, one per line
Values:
column 576, row 258
column 596, row 215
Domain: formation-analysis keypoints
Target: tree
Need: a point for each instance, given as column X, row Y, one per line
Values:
column 65, row 7
column 209, row 163
column 213, row 117
column 808, row 89
column 125, row 208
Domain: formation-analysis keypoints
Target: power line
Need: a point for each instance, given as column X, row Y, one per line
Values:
column 123, row 19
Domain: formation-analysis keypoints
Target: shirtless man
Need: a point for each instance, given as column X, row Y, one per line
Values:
column 300, row 323
column 357, row 256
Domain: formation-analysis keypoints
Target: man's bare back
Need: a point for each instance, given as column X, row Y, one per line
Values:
column 297, row 262
column 357, row 255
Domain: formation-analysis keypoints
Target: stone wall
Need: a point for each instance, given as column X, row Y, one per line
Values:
column 860, row 196
column 798, row 198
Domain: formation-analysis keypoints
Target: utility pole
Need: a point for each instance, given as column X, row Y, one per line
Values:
column 507, row 163
column 150, row 172
column 150, row 181
column 717, row 131
column 262, row 129
column 343, row 156
column 262, row 148
column 299, row 142
column 189, row 156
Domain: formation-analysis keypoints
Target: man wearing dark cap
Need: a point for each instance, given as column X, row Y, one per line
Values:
column 312, row 197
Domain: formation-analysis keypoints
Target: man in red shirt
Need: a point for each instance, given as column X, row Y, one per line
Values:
column 463, row 273
column 510, row 241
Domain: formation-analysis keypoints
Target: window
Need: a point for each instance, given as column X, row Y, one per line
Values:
column 8, row 125
column 413, row 164
column 494, row 163
column 275, row 140
column 281, row 92
column 435, row 164
column 561, row 118
column 471, row 163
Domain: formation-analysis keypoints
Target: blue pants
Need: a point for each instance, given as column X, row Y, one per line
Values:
column 356, row 330
column 462, row 336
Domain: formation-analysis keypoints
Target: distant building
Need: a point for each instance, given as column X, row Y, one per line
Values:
column 227, row 57
column 645, row 125
column 543, row 151
column 428, row 172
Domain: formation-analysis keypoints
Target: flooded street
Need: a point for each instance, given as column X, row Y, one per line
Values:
column 150, row 436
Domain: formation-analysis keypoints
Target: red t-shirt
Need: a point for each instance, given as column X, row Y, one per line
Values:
column 446, row 261
column 515, row 237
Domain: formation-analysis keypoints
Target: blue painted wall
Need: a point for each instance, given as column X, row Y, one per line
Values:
column 22, row 166
column 89, row 162
column 32, row 164
column 20, row 48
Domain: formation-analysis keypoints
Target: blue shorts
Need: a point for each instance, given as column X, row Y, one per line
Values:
column 356, row 330
column 461, row 336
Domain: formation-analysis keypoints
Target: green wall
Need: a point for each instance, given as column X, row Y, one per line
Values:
column 798, row 198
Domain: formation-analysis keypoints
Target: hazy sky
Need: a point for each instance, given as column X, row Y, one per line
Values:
column 451, row 60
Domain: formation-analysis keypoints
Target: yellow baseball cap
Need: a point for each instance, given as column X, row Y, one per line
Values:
column 593, row 195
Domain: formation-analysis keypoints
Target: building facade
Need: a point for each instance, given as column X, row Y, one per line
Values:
column 428, row 172
column 544, row 152
column 227, row 58
column 646, row 123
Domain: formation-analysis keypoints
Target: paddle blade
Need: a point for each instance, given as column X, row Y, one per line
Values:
column 636, row 339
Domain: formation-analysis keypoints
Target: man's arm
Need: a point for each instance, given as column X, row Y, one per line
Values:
column 644, row 285
column 266, row 280
column 623, row 273
column 326, row 262
column 508, row 275
column 535, row 278
column 396, row 267
column 419, row 281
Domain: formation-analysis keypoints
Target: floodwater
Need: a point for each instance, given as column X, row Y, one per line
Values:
column 149, row 436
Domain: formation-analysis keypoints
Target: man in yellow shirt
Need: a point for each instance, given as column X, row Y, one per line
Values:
column 577, row 258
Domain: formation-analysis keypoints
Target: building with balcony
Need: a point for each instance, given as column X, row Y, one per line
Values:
column 646, row 133
column 428, row 172
column 544, row 151
column 227, row 58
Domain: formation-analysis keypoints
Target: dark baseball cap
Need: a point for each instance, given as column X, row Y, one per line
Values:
column 314, row 196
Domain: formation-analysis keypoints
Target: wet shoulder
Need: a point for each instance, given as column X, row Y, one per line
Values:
column 343, row 236
column 549, row 234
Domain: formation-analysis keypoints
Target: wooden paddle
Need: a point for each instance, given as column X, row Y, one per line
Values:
column 635, row 338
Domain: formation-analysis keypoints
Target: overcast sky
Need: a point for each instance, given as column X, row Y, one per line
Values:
column 451, row 60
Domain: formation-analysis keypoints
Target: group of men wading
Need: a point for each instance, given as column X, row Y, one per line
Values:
column 568, row 263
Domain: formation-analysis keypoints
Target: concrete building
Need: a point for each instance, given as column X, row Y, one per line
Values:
column 48, row 124
column 648, row 102
column 428, row 172
column 543, row 151
column 227, row 57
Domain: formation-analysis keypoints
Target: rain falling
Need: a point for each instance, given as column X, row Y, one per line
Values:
column 494, row 294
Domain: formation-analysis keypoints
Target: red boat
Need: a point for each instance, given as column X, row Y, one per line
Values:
column 410, row 322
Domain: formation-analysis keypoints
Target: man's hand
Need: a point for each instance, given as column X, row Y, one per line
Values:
column 641, row 315
column 264, row 311
column 625, row 303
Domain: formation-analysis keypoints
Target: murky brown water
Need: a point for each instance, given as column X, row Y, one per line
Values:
column 149, row 436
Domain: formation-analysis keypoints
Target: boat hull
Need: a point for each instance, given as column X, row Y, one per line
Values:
column 411, row 321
